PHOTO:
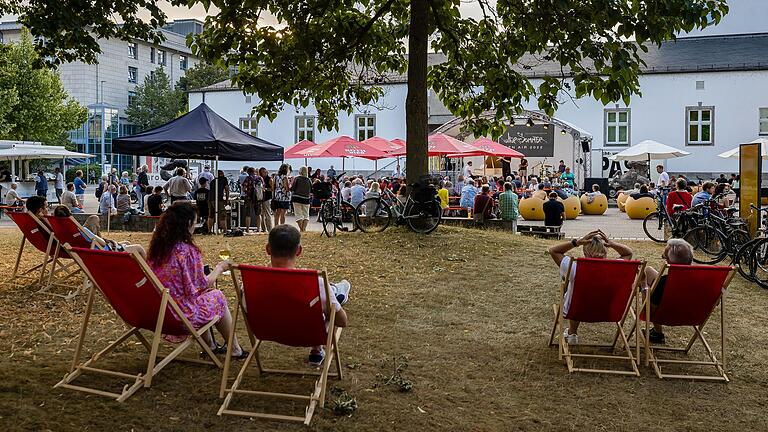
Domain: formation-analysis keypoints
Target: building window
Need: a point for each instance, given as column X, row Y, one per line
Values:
column 365, row 126
column 183, row 62
column 249, row 125
column 700, row 123
column 133, row 75
column 161, row 57
column 305, row 128
column 131, row 98
column 617, row 127
column 763, row 121
column 133, row 50
column 152, row 54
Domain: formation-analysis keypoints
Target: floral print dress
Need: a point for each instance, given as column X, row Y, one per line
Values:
column 182, row 274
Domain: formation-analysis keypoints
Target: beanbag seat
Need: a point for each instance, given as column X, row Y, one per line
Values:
column 621, row 200
column 572, row 207
column 640, row 208
column 532, row 209
column 597, row 207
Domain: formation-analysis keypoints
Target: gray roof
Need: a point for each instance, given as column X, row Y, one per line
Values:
column 684, row 55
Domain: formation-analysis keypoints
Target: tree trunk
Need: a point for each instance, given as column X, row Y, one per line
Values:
column 416, row 115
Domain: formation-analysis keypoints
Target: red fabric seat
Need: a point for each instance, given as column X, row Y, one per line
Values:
column 602, row 289
column 283, row 305
column 67, row 231
column 690, row 295
column 127, row 288
column 33, row 232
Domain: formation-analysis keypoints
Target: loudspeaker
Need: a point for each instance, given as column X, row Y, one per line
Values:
column 602, row 182
column 585, row 146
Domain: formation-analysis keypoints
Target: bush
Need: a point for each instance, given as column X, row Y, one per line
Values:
column 92, row 171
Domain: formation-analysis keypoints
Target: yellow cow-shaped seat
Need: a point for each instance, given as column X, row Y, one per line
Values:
column 597, row 207
column 572, row 207
column 640, row 208
column 532, row 209
column 621, row 200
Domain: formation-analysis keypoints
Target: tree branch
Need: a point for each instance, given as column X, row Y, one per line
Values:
column 367, row 27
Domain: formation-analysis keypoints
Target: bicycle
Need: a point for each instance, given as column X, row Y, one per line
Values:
column 334, row 211
column 752, row 258
column 659, row 222
column 716, row 237
column 422, row 214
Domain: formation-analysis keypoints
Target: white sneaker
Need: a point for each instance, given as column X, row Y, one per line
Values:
column 570, row 339
column 341, row 289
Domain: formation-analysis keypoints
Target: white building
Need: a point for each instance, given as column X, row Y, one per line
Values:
column 705, row 93
column 107, row 86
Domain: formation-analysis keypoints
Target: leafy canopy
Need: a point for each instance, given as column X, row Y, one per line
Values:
column 33, row 103
column 594, row 44
column 155, row 102
column 201, row 75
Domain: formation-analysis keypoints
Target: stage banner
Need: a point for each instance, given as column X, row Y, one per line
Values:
column 532, row 141
column 750, row 170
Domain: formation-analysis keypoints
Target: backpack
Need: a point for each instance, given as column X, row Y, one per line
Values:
column 253, row 189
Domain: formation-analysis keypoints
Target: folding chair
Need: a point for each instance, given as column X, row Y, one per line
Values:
column 67, row 230
column 283, row 306
column 603, row 291
column 691, row 294
column 140, row 300
column 39, row 235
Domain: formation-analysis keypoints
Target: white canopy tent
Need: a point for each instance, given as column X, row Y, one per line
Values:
column 649, row 150
column 26, row 150
column 734, row 153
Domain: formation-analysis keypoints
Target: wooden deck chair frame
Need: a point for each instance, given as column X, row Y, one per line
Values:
column 651, row 351
column 564, row 349
column 317, row 397
column 153, row 366
column 94, row 243
column 48, row 258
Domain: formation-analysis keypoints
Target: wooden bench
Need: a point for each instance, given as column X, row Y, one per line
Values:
column 541, row 231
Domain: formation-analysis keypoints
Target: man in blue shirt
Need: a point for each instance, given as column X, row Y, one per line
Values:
column 358, row 192
column 707, row 190
column 79, row 186
column 41, row 184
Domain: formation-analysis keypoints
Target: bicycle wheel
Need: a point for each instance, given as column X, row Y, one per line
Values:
column 372, row 215
column 346, row 216
column 424, row 217
column 709, row 244
column 327, row 218
column 744, row 260
column 654, row 227
column 759, row 263
column 735, row 240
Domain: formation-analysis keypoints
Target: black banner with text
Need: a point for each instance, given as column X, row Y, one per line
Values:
column 532, row 141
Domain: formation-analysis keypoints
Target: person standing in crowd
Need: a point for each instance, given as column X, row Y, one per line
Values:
column 300, row 191
column 443, row 194
column 281, row 197
column 206, row 174
column 220, row 198
column 331, row 173
column 202, row 198
column 467, row 171
column 315, row 175
column 155, row 202
column 567, row 177
column 41, row 185
column 243, row 175
column 58, row 183
column 508, row 205
column 561, row 167
column 69, row 199
column 80, row 187
column 736, row 185
column 554, row 211
column 142, row 181
column 468, row 193
column 252, row 192
column 107, row 201
column 178, row 187
column 721, row 179
column 522, row 170
column 663, row 180
column 264, row 214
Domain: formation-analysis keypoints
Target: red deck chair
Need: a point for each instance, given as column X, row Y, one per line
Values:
column 603, row 291
column 283, row 306
column 67, row 230
column 39, row 235
column 140, row 300
column 691, row 294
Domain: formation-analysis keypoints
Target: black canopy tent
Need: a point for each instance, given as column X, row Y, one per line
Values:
column 199, row 134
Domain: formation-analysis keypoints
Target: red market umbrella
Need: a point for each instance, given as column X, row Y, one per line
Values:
column 344, row 147
column 488, row 147
column 296, row 151
column 398, row 142
column 442, row 144
column 382, row 144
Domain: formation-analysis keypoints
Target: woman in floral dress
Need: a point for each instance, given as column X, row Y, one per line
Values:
column 178, row 264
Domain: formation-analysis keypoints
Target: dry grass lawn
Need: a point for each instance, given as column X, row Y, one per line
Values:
column 469, row 312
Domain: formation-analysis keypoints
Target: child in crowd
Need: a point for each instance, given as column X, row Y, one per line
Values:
column 283, row 247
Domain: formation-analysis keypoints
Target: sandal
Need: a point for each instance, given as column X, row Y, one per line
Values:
column 222, row 349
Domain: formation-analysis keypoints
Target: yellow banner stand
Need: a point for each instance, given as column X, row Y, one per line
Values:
column 750, row 170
